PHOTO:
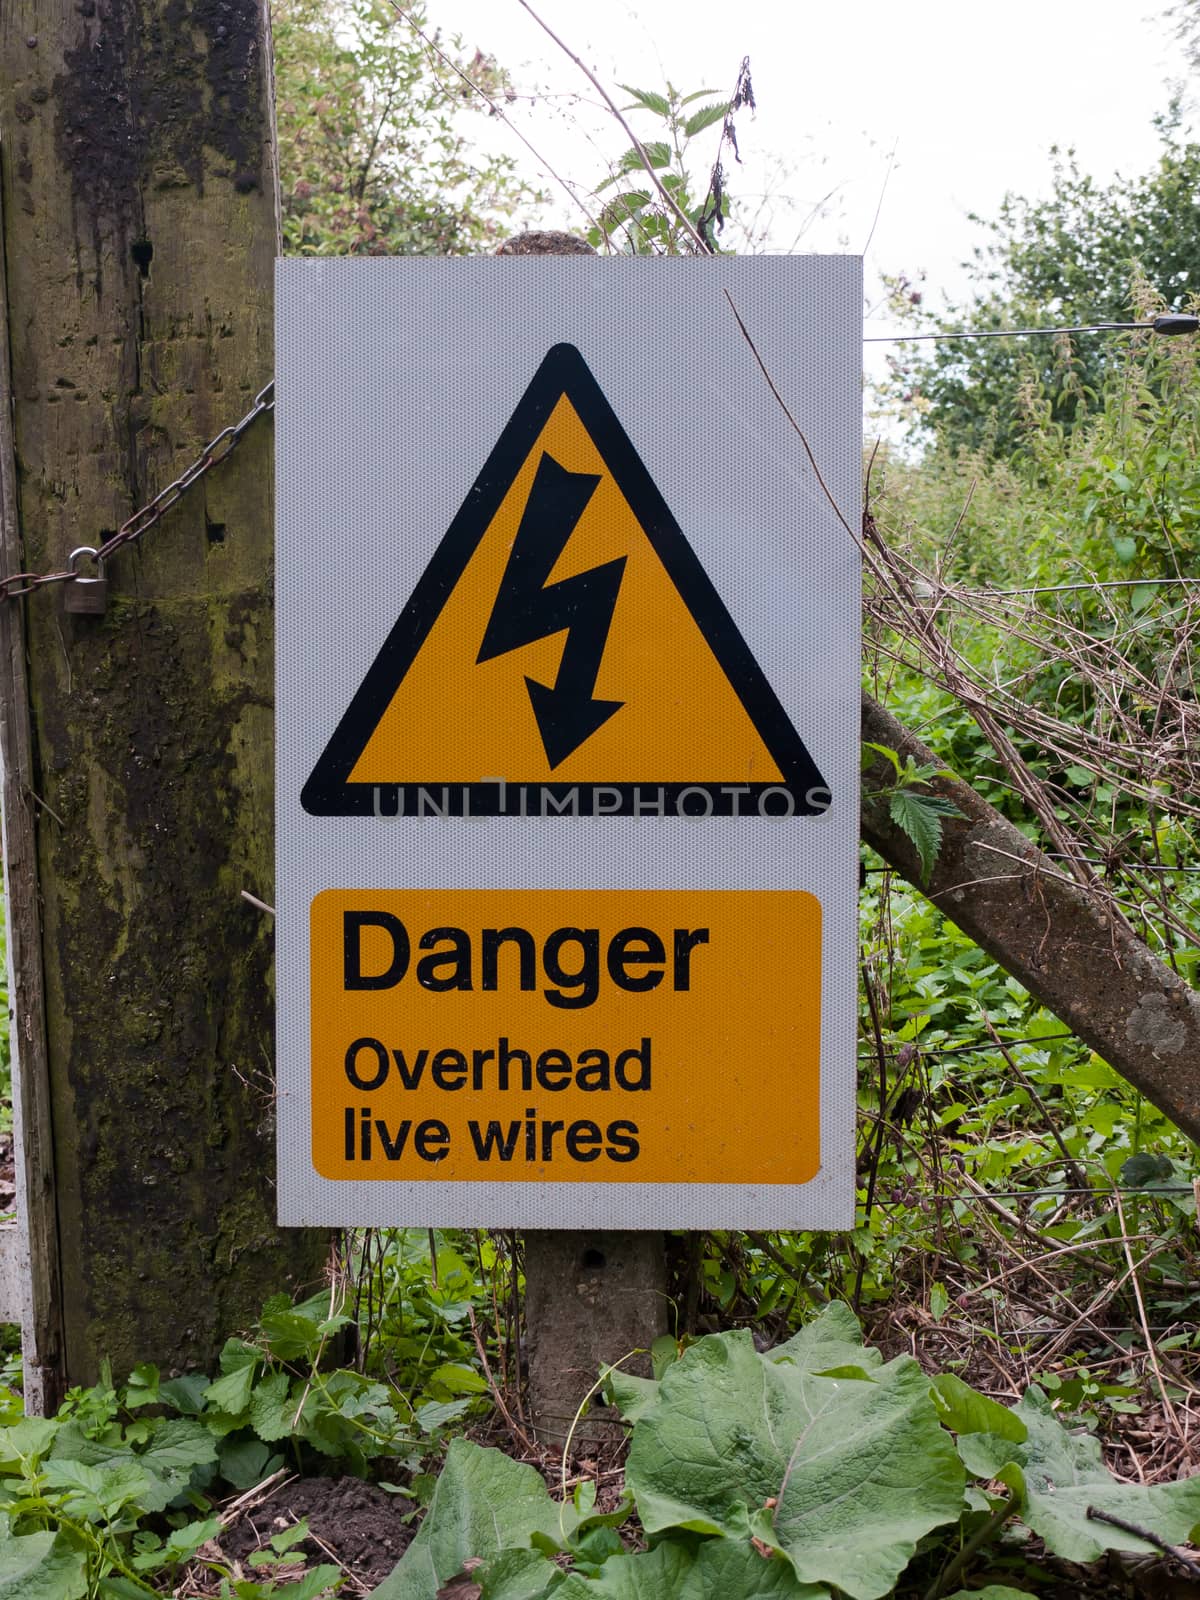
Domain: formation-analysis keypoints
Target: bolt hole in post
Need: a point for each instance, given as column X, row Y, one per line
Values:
column 142, row 252
column 593, row 1261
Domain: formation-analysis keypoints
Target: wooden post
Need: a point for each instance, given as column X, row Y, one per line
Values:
column 37, row 1253
column 139, row 232
column 590, row 1298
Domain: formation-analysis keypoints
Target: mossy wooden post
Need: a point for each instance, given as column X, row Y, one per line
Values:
column 590, row 1297
column 139, row 231
column 37, row 1234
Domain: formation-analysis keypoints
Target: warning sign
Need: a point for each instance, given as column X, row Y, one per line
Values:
column 565, row 652
column 576, row 1059
column 567, row 747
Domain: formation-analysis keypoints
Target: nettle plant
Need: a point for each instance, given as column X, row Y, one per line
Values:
column 656, row 207
column 814, row 1471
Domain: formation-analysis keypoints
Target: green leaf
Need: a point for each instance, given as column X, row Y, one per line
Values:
column 179, row 1444
column 1141, row 597
column 518, row 1575
column 435, row 1414
column 232, row 1392
column 237, row 1354
column 272, row 1408
column 27, row 1440
column 872, row 1473
column 115, row 1587
column 1145, row 1168
column 831, row 1339
column 882, row 750
column 483, row 1503
column 1062, row 1474
column 186, row 1394
column 165, row 1465
column 291, row 1335
column 993, row 1591
column 36, row 1567
column 988, row 1455
column 142, row 1387
column 704, row 118
column 458, row 1379
column 185, row 1541
column 657, row 103
column 287, row 1537
column 632, row 1396
column 939, row 1301
column 663, row 1352
column 720, row 1569
column 860, row 1468
column 658, row 153
column 243, row 1461
column 966, row 1411
column 919, row 817
column 314, row 1582
column 99, row 1493
column 624, row 207
column 1125, row 547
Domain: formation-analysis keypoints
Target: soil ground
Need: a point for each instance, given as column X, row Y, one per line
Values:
column 357, row 1526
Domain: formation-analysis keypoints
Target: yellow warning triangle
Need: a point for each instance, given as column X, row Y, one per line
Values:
column 565, row 636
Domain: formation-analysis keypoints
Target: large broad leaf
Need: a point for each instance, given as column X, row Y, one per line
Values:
column 518, row 1575
column 1058, row 1475
column 715, row 1447
column 965, row 1410
column 483, row 1504
column 857, row 1468
column 632, row 1396
column 872, row 1473
column 987, row 1455
column 832, row 1339
column 994, row 1591
column 32, row 1569
column 718, row 1570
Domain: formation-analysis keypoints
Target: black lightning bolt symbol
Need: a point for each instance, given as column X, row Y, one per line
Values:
column 529, row 608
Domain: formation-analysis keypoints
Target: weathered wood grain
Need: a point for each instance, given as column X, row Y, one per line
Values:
column 139, row 233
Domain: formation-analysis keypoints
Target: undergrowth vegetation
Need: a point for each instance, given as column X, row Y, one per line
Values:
column 810, row 1470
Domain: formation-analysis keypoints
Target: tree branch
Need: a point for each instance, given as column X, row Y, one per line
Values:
column 1062, row 939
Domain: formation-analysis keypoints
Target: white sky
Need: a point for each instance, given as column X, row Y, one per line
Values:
column 971, row 97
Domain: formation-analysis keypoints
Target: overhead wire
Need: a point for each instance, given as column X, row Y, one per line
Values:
column 1168, row 324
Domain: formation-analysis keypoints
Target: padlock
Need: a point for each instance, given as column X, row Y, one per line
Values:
column 86, row 597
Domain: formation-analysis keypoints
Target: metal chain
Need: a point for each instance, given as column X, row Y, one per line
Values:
column 215, row 451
